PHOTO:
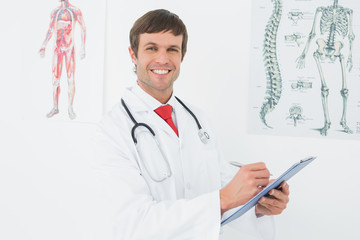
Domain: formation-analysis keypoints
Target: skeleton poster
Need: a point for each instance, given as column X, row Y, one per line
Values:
column 305, row 68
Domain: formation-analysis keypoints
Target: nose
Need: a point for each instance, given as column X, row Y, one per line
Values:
column 162, row 57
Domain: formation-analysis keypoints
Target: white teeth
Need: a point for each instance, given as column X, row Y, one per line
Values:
column 158, row 71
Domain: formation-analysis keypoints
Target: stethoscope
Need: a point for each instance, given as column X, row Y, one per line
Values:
column 203, row 135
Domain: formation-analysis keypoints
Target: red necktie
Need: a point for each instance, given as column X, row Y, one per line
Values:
column 165, row 113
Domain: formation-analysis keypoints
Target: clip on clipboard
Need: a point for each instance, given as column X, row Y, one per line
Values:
column 275, row 184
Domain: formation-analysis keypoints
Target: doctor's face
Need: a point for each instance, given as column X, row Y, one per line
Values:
column 158, row 63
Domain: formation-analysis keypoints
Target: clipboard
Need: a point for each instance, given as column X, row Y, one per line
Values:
column 275, row 184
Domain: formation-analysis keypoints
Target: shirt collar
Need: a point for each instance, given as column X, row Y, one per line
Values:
column 150, row 101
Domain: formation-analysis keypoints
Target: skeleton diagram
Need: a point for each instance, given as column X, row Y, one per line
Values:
column 335, row 20
column 272, row 69
column 62, row 23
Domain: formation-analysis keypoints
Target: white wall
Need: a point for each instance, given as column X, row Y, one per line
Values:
column 214, row 76
column 47, row 184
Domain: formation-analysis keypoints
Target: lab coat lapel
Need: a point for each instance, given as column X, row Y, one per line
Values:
column 134, row 104
column 182, row 118
column 142, row 113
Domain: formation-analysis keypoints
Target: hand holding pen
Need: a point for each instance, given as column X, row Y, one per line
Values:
column 275, row 202
column 246, row 183
column 239, row 165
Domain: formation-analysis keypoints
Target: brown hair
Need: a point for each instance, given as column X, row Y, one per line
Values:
column 156, row 21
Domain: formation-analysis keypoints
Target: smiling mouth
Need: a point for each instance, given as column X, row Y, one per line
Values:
column 161, row 71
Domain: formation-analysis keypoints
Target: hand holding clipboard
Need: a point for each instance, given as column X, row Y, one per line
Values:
column 275, row 184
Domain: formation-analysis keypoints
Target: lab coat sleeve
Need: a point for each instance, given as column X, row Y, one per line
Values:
column 135, row 213
column 262, row 227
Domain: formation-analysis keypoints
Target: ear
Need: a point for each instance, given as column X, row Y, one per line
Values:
column 132, row 56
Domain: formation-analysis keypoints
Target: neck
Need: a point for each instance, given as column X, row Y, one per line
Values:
column 162, row 96
column 64, row 4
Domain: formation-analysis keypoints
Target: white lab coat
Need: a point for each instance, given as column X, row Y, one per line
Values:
column 184, row 206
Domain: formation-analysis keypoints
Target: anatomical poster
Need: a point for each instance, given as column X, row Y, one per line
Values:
column 305, row 68
column 63, row 58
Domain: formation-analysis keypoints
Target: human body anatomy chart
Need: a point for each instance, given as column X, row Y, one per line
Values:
column 310, row 83
column 62, row 25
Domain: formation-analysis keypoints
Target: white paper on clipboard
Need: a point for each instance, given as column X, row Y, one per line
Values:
column 275, row 184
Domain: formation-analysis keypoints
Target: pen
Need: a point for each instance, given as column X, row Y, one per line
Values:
column 239, row 165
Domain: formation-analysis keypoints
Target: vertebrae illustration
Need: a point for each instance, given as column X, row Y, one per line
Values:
column 295, row 16
column 293, row 37
column 295, row 113
column 335, row 20
column 274, row 82
column 301, row 85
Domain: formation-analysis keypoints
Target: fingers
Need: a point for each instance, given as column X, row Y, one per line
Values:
column 261, row 183
column 255, row 166
column 285, row 188
column 277, row 197
column 258, row 170
column 277, row 200
column 270, row 209
column 256, row 174
column 282, row 193
column 248, row 182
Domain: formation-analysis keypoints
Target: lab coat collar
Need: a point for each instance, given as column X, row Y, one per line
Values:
column 138, row 101
column 148, row 103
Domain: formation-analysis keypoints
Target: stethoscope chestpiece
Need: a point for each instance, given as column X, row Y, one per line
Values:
column 204, row 136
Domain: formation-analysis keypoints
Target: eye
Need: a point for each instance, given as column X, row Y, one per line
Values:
column 173, row 50
column 151, row 49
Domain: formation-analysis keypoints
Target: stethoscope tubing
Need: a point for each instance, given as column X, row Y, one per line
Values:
column 204, row 137
column 136, row 123
column 191, row 113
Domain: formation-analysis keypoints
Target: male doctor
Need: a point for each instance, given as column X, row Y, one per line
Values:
column 173, row 183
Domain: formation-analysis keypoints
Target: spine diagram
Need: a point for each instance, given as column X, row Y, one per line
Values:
column 273, row 75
